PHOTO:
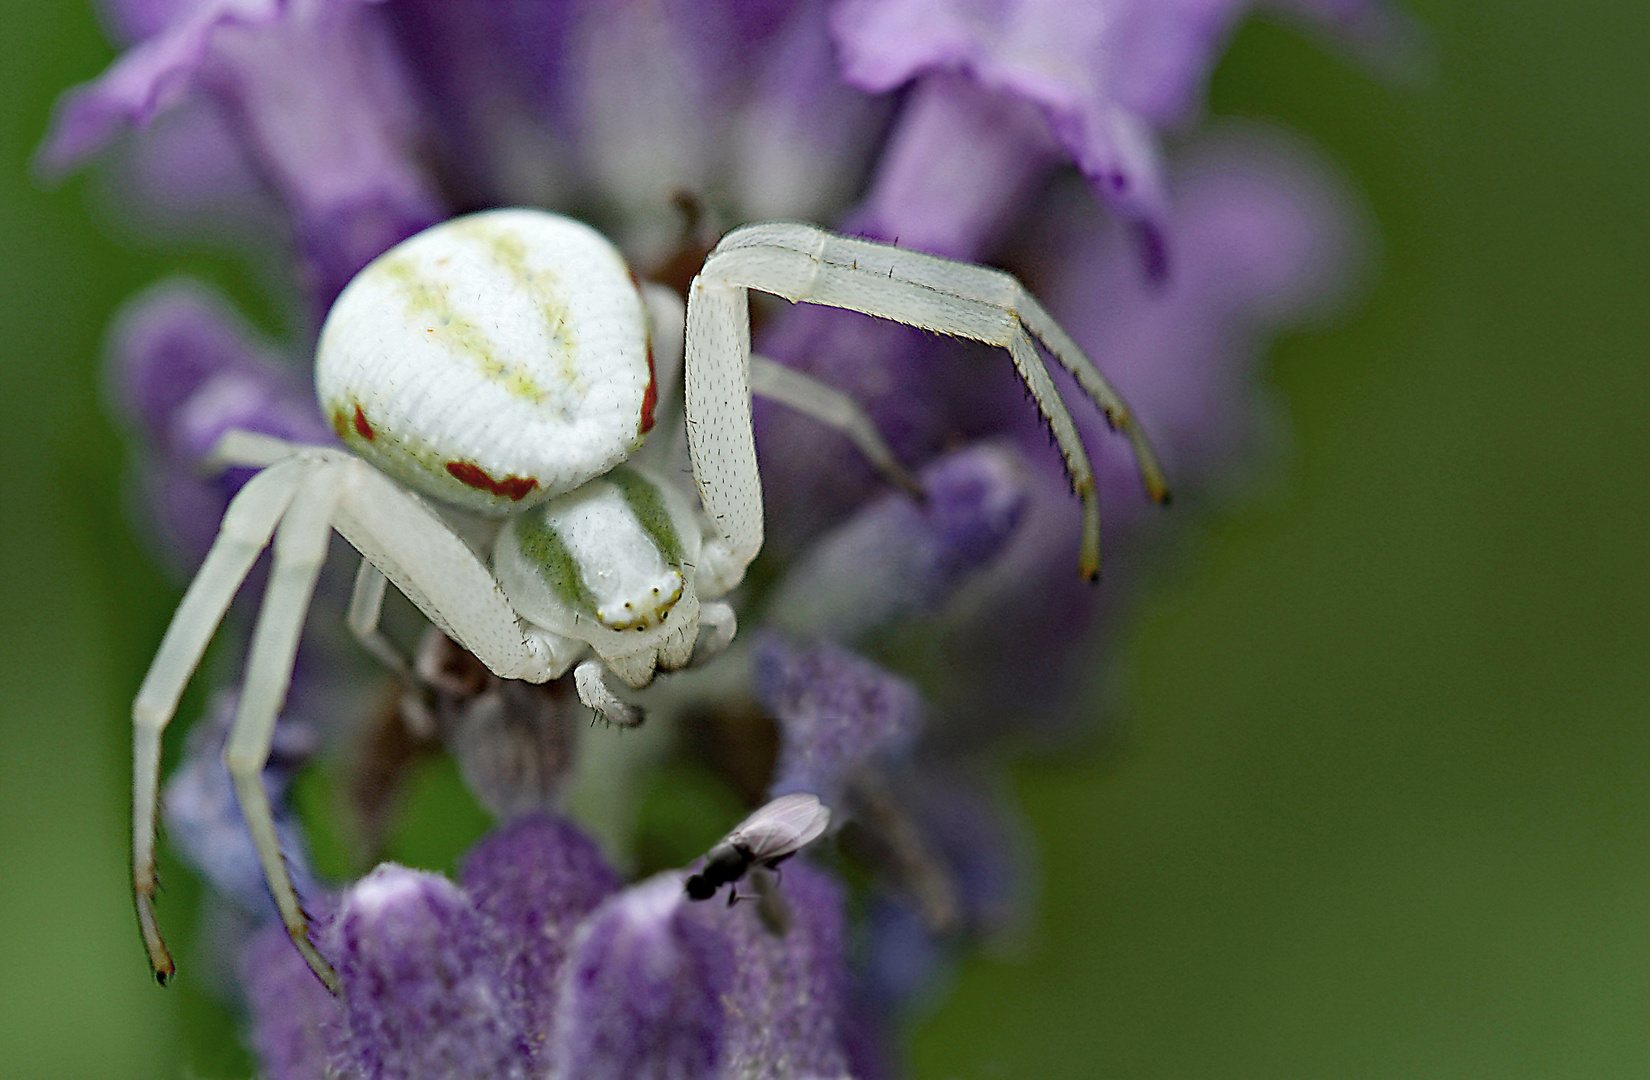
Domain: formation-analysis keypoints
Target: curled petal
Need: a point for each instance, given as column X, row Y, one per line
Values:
column 1055, row 56
column 149, row 78
column 959, row 162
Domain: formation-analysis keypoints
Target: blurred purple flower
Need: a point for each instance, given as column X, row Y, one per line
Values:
column 184, row 369
column 317, row 97
column 1025, row 133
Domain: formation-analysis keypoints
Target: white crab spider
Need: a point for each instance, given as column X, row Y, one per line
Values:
column 501, row 364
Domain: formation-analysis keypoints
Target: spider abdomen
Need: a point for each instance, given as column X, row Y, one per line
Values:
column 492, row 361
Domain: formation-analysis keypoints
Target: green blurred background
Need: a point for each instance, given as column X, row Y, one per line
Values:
column 1383, row 804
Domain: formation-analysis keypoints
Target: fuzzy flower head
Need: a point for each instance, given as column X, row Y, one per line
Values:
column 538, row 964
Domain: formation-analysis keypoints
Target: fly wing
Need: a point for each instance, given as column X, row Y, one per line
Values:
column 782, row 827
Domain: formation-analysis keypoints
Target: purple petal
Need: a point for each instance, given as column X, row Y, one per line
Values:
column 881, row 365
column 148, row 79
column 317, row 95
column 643, row 991
column 1165, row 51
column 1053, row 55
column 898, row 558
column 172, row 340
column 790, row 990
column 424, row 982
column 837, row 713
column 488, row 76
column 803, row 138
column 536, row 879
column 959, row 163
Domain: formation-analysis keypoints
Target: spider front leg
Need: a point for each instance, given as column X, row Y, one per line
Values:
column 300, row 549
column 247, row 527
column 808, row 265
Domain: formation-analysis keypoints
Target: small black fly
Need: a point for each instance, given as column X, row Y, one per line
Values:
column 768, row 837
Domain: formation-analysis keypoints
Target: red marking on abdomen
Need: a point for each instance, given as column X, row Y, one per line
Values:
column 650, row 396
column 362, row 428
column 514, row 488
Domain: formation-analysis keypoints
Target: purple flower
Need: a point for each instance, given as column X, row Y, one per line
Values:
column 316, row 98
column 537, row 966
column 838, row 715
column 643, row 991
column 890, row 639
column 1037, row 82
column 184, row 370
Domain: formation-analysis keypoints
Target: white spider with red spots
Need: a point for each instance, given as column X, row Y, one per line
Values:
column 494, row 378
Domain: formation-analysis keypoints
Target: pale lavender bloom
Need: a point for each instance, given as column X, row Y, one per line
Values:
column 1024, row 133
column 643, row 991
column 425, row 994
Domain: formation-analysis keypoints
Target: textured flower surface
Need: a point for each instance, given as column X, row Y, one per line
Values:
column 886, row 644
